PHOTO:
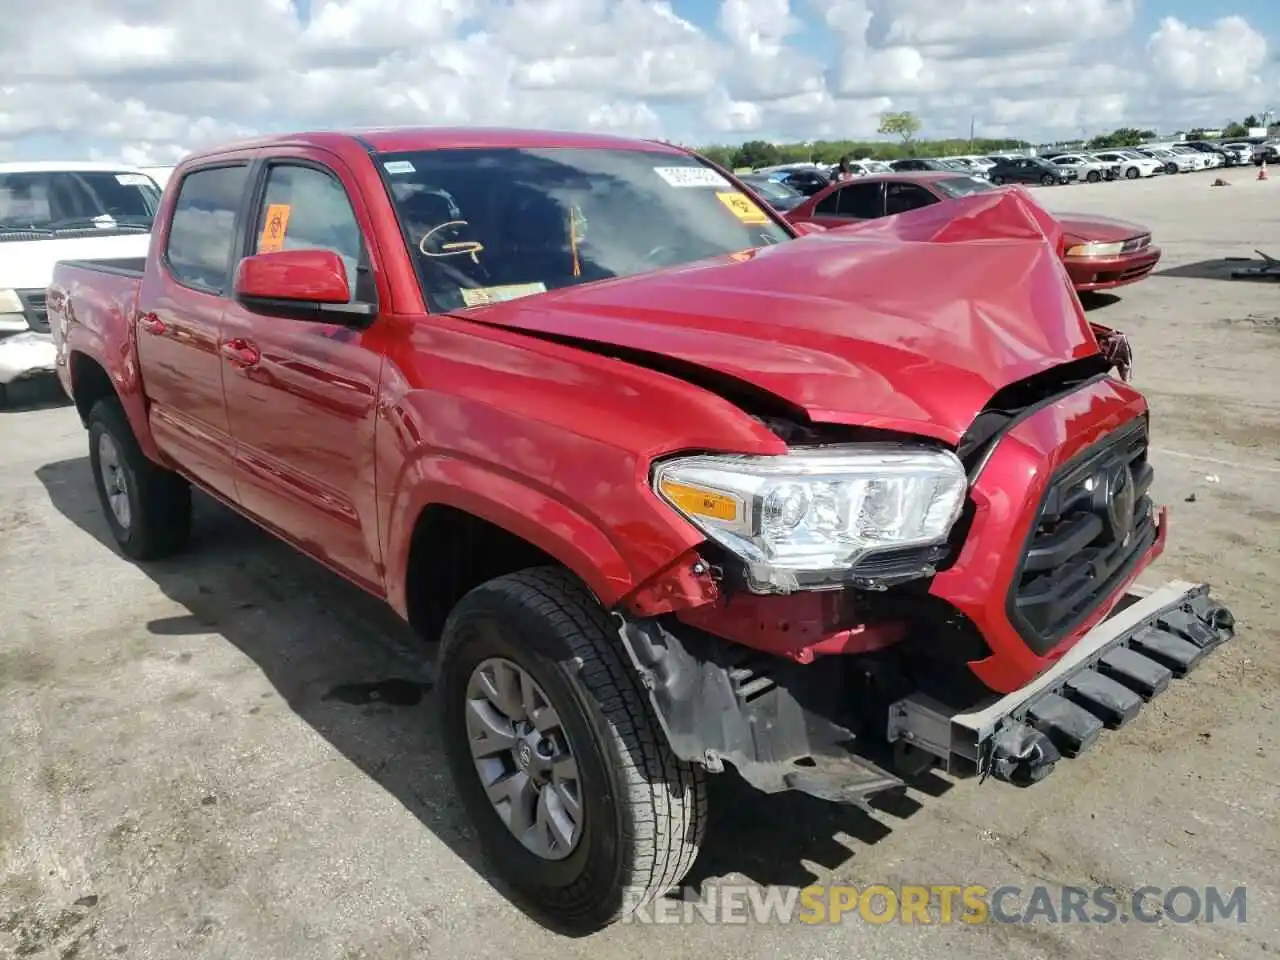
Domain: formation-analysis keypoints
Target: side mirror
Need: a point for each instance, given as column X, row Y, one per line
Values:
column 306, row 284
column 804, row 228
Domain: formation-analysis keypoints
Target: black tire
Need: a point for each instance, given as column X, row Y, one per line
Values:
column 159, row 501
column 1048, row 180
column 1170, row 167
column 1133, row 173
column 1093, row 176
column 997, row 181
column 644, row 810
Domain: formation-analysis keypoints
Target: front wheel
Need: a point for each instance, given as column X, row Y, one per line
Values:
column 1133, row 173
column 1048, row 180
column 147, row 507
column 997, row 181
column 1093, row 176
column 558, row 756
column 1171, row 167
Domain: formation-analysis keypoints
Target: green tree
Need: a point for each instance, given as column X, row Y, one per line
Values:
column 1122, row 137
column 756, row 153
column 722, row 156
column 905, row 125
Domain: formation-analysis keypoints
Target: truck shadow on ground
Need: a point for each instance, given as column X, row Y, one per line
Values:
column 1219, row 268
column 350, row 668
column 36, row 393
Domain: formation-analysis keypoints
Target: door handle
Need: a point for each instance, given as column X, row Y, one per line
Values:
column 152, row 324
column 240, row 352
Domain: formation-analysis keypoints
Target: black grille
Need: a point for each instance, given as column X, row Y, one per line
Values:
column 1095, row 523
column 35, row 309
column 1137, row 243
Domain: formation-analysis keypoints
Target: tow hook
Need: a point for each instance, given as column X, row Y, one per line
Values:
column 1022, row 755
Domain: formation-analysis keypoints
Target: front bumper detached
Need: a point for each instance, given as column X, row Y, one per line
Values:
column 27, row 354
column 1101, row 683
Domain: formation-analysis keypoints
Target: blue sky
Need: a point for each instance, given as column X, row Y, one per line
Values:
column 142, row 81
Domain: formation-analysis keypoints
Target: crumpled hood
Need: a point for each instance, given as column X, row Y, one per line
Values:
column 908, row 323
column 28, row 264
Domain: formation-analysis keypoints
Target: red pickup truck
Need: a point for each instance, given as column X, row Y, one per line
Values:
column 675, row 484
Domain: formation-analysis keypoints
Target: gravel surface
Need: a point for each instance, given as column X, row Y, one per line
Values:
column 233, row 754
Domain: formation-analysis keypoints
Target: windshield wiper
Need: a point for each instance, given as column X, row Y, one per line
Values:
column 100, row 224
column 25, row 228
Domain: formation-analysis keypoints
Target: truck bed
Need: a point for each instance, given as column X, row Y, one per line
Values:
column 95, row 296
column 122, row 266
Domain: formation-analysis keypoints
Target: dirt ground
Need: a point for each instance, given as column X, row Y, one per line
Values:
column 233, row 755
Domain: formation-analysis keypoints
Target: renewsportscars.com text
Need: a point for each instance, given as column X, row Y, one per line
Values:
column 941, row 904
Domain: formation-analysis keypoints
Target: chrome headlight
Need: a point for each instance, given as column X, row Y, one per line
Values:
column 12, row 316
column 808, row 518
column 1096, row 249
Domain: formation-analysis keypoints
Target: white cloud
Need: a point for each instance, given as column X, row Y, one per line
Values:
column 147, row 80
column 1225, row 59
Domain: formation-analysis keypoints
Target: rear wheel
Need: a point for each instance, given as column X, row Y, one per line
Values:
column 147, row 507
column 1048, row 180
column 1093, row 176
column 998, row 181
column 558, row 756
column 1170, row 167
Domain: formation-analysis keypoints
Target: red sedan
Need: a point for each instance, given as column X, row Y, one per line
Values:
column 1099, row 253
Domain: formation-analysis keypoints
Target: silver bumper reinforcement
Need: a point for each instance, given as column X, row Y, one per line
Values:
column 1153, row 637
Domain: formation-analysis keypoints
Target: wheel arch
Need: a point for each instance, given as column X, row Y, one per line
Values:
column 92, row 382
column 445, row 538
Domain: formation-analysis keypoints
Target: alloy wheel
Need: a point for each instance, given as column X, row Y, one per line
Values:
column 523, row 758
column 115, row 482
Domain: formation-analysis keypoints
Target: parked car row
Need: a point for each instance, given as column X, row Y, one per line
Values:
column 1050, row 169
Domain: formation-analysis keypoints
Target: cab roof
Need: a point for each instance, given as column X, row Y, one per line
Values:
column 406, row 139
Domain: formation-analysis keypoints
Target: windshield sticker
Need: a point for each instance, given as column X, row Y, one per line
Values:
column 133, row 180
column 483, row 296
column 742, row 207
column 445, row 242
column 691, row 177
column 273, row 230
column 398, row 166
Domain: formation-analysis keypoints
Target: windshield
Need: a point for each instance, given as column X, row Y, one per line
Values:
column 963, row 186
column 493, row 224
column 771, row 189
column 81, row 199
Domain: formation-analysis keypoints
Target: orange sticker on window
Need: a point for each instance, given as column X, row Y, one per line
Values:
column 273, row 230
column 742, row 207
